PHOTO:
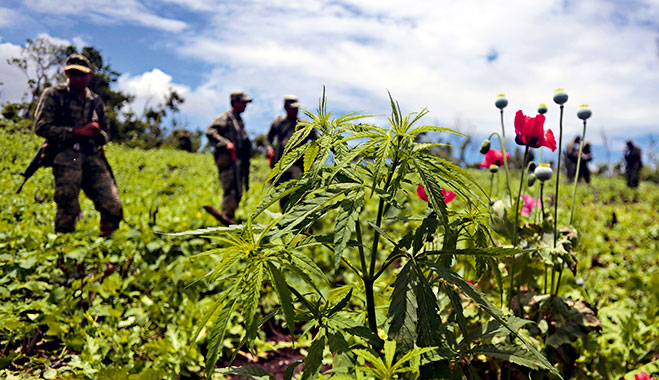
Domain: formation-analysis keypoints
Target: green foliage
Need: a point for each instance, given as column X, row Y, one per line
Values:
column 155, row 302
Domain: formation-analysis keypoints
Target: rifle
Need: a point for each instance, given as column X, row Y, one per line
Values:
column 40, row 159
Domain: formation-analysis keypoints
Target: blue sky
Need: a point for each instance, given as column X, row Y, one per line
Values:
column 453, row 57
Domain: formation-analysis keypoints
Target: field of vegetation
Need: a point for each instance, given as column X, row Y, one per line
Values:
column 153, row 302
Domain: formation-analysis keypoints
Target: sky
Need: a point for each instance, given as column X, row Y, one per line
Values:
column 452, row 57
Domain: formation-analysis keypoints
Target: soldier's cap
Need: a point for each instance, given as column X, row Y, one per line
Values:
column 78, row 62
column 291, row 101
column 240, row 95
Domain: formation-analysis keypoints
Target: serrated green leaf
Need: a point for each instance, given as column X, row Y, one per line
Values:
column 285, row 300
column 314, row 357
column 217, row 336
column 348, row 214
column 310, row 155
column 249, row 370
column 513, row 354
column 402, row 312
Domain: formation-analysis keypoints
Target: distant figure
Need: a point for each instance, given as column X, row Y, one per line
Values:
column 633, row 164
column 586, row 157
column 281, row 130
column 72, row 119
column 232, row 154
column 184, row 141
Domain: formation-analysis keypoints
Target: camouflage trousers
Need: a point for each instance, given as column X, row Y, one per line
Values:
column 74, row 171
column 232, row 180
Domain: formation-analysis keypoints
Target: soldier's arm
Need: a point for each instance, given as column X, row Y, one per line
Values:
column 270, row 137
column 44, row 120
column 99, row 112
column 214, row 133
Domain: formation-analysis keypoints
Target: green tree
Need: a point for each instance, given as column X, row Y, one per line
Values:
column 42, row 62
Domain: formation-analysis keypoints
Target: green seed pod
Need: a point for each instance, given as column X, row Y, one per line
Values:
column 501, row 102
column 542, row 109
column 485, row 146
column 584, row 112
column 494, row 168
column 543, row 172
column 531, row 179
column 560, row 96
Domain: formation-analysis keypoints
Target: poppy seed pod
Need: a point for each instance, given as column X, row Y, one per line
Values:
column 531, row 179
column 543, row 172
column 494, row 168
column 485, row 146
column 532, row 166
column 542, row 109
column 584, row 112
column 560, row 96
column 501, row 102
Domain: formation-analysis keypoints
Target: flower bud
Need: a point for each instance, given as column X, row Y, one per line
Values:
column 542, row 109
column 501, row 102
column 543, row 172
column 584, row 112
column 532, row 166
column 531, row 179
column 560, row 96
column 485, row 146
column 494, row 168
column 580, row 282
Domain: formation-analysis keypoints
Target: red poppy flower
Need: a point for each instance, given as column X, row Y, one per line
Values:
column 494, row 157
column 529, row 203
column 448, row 195
column 530, row 131
column 421, row 192
column 643, row 376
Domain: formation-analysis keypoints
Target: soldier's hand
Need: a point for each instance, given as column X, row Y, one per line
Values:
column 271, row 156
column 90, row 129
column 232, row 151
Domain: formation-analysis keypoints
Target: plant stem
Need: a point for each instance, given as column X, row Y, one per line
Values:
column 362, row 255
column 558, row 177
column 489, row 205
column 370, row 305
column 502, row 142
column 576, row 176
column 519, row 194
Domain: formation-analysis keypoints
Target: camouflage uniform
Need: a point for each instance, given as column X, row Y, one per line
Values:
column 78, row 162
column 281, row 131
column 228, row 127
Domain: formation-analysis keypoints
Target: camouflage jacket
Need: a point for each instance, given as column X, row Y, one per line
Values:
column 281, row 130
column 61, row 110
column 228, row 127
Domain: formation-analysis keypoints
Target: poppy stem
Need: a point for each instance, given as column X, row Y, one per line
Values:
column 558, row 177
column 519, row 194
column 502, row 141
column 491, row 189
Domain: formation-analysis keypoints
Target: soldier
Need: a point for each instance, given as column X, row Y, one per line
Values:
column 72, row 119
column 633, row 164
column 232, row 153
column 281, row 130
column 571, row 156
column 184, row 141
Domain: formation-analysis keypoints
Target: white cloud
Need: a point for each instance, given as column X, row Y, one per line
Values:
column 7, row 17
column 103, row 12
column 149, row 89
column 433, row 53
column 14, row 82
